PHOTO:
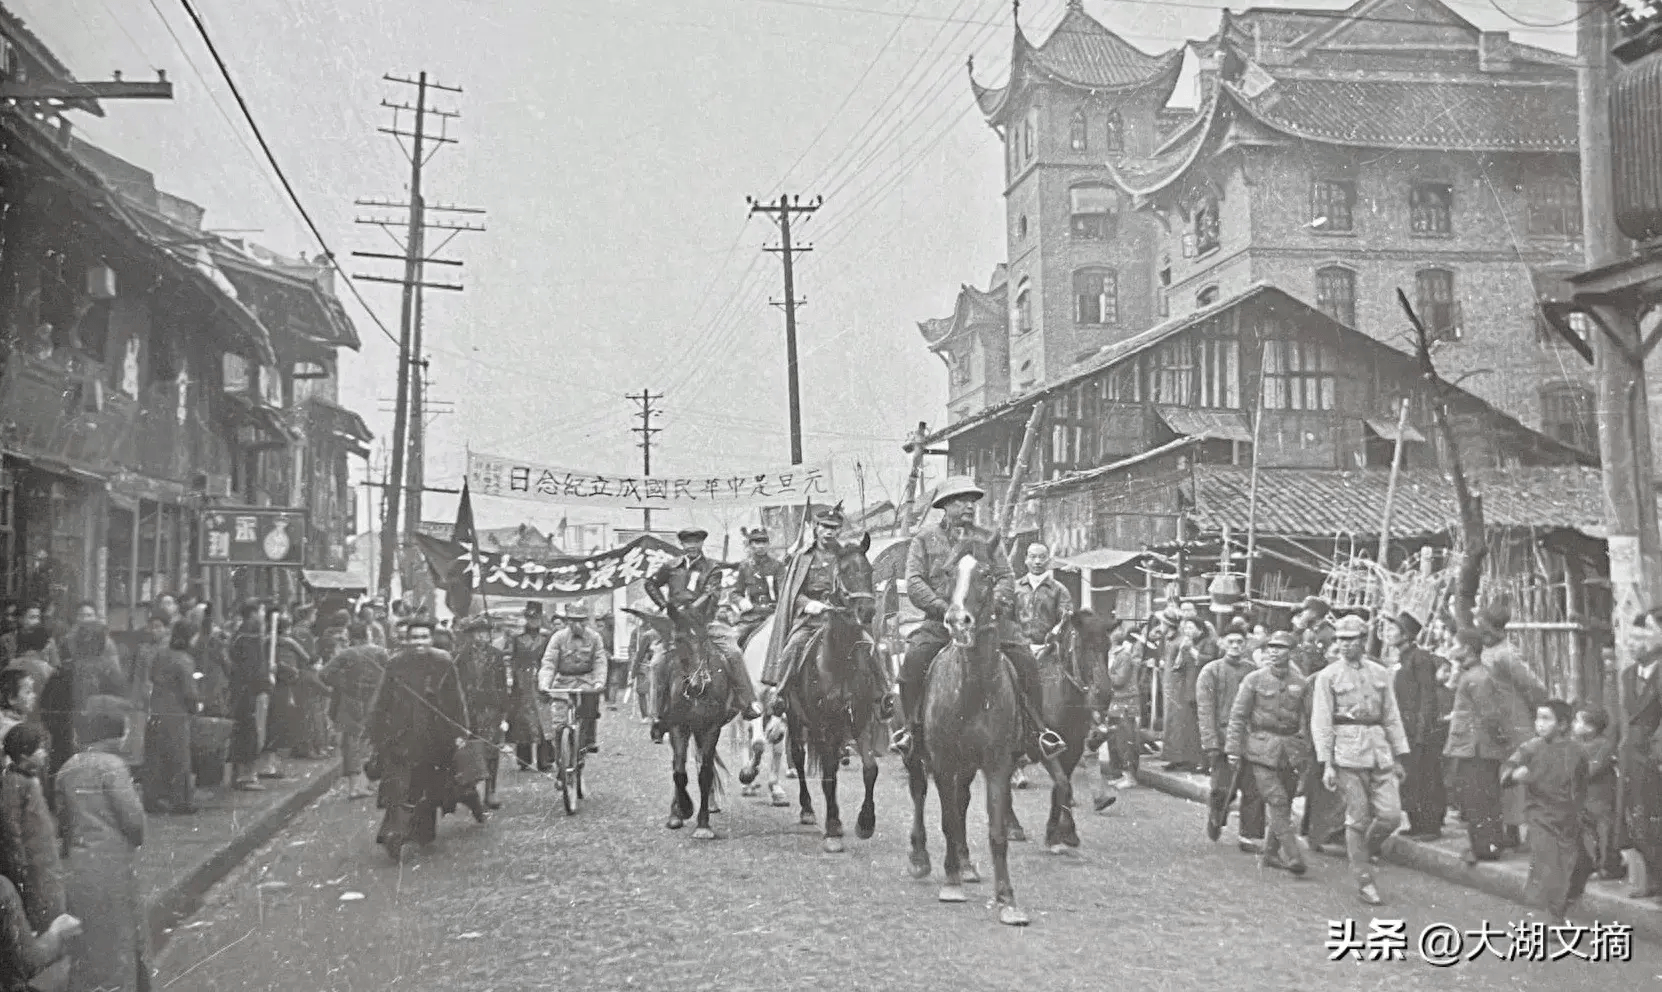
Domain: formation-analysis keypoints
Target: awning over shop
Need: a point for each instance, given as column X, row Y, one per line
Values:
column 319, row 579
column 342, row 423
column 1387, row 429
column 1215, row 425
column 1101, row 558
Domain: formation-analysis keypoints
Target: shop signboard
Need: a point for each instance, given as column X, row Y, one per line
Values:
column 253, row 536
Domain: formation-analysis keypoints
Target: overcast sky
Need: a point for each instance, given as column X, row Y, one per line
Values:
column 613, row 144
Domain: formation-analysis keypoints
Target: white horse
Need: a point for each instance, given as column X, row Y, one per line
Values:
column 761, row 738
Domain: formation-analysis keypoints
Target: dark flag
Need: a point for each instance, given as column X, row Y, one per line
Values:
column 458, row 593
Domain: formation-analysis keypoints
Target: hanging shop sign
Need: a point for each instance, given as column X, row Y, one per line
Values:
column 253, row 535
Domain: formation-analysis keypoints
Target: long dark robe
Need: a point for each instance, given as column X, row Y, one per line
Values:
column 1555, row 793
column 1180, row 731
column 1324, row 808
column 167, row 766
column 525, row 657
column 1419, row 696
column 1641, row 770
column 419, row 712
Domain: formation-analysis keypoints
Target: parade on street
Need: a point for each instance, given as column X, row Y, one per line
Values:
column 1197, row 528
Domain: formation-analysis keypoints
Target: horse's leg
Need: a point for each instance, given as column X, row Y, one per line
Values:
column 966, row 864
column 745, row 739
column 917, row 782
column 776, row 762
column 830, row 751
column 799, row 758
column 1017, row 833
column 680, row 806
column 1060, row 832
column 951, row 786
column 998, row 802
column 866, row 825
column 709, row 745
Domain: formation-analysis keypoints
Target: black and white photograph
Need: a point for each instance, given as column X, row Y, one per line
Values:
column 907, row 495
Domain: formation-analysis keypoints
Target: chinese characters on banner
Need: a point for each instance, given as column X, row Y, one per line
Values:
column 255, row 535
column 492, row 573
column 493, row 475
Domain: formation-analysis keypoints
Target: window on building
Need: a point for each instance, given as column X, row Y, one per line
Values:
column 1174, row 368
column 1555, row 208
column 1021, row 227
column 1570, row 414
column 1077, row 137
column 1299, row 375
column 1206, row 297
column 1220, row 372
column 1114, row 139
column 1336, row 294
column 1024, row 307
column 1122, row 385
column 1096, row 297
column 1332, row 204
column 1431, row 208
column 1204, row 227
column 960, row 365
column 1029, row 134
column 1092, row 211
column 1436, row 305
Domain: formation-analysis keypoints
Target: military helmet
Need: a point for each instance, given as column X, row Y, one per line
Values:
column 955, row 486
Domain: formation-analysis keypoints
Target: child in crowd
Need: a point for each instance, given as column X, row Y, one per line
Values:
column 1591, row 732
column 1553, row 771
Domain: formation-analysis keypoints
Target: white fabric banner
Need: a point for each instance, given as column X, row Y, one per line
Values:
column 510, row 478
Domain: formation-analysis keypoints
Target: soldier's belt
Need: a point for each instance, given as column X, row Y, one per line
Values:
column 1350, row 721
column 1277, row 731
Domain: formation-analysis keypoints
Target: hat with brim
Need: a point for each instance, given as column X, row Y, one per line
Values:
column 758, row 536
column 577, row 611
column 533, row 609
column 691, row 534
column 1406, row 623
column 957, row 487
column 1281, row 639
column 1316, row 605
column 830, row 517
column 1350, row 628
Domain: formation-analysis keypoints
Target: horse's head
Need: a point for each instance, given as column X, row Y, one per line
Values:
column 855, row 589
column 678, row 627
column 972, row 605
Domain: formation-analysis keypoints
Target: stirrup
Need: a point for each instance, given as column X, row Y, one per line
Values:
column 1051, row 743
column 901, row 740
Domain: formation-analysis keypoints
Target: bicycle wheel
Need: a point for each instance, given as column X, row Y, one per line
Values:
column 566, row 760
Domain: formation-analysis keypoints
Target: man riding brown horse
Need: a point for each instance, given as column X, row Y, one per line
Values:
column 682, row 583
column 930, row 577
column 756, row 593
column 808, row 589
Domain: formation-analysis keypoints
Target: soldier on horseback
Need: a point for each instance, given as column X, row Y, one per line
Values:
column 808, row 588
column 680, row 584
column 929, row 585
column 756, row 594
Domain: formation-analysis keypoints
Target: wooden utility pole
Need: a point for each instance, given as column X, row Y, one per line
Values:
column 1624, row 415
column 1007, row 509
column 1391, row 488
column 646, row 398
column 407, row 479
column 782, row 212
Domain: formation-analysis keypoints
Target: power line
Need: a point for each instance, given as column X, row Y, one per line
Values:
column 271, row 157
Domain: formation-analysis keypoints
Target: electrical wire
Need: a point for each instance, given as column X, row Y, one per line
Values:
column 271, row 157
column 1586, row 8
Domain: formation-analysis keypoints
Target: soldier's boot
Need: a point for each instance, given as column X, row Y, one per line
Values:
column 744, row 692
column 880, row 673
column 911, row 728
column 1050, row 742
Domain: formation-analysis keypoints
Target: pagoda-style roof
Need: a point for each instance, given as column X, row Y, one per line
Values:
column 974, row 307
column 1080, row 54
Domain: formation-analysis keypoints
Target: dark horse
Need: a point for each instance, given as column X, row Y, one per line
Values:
column 830, row 699
column 700, row 705
column 1074, row 671
column 970, row 724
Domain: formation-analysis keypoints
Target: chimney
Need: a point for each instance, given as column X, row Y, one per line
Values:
column 1494, row 53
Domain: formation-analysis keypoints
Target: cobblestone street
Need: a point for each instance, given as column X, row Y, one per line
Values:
column 609, row 899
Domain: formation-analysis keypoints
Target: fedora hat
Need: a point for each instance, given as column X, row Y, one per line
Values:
column 577, row 611
column 691, row 534
column 956, row 486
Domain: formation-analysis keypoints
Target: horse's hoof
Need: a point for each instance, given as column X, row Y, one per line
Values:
column 1016, row 835
column 1012, row 916
column 1058, row 849
column 750, row 790
column 953, row 893
column 747, row 776
column 675, row 823
column 807, row 819
column 779, row 797
column 919, row 868
column 703, row 833
column 1104, row 801
column 865, row 826
column 834, row 845
column 790, row 773
column 969, row 874
column 714, row 808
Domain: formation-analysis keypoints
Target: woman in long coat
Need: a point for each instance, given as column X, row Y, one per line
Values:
column 1184, row 658
column 525, row 729
column 103, row 821
column 168, row 786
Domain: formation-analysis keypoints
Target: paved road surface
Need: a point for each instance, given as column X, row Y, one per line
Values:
column 609, row 899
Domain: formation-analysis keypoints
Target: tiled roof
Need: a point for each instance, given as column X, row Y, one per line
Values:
column 1082, row 51
column 1319, row 502
column 13, row 27
column 1468, row 116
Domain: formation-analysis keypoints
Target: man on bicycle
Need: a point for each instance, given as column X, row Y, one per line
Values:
column 574, row 662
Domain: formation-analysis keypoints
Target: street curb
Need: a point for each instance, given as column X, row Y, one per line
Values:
column 1643, row 916
column 184, row 896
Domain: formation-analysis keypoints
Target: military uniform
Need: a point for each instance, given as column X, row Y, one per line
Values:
column 681, row 584
column 758, row 584
column 817, row 568
column 930, row 582
column 1358, row 732
column 1264, row 731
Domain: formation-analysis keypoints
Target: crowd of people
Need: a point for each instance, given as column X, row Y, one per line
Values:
column 94, row 737
column 1444, row 720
